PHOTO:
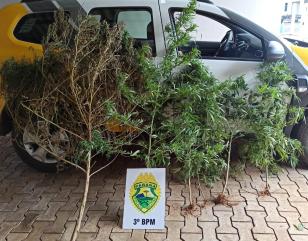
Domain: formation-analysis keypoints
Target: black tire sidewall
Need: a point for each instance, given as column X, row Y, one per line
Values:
column 27, row 158
column 302, row 136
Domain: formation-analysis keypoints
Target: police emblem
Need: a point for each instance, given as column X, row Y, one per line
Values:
column 145, row 192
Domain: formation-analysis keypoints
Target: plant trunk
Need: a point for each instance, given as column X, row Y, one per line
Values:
column 228, row 165
column 201, row 190
column 267, row 186
column 150, row 139
column 190, row 194
column 84, row 200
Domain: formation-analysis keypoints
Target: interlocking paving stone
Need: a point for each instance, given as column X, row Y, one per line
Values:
column 174, row 230
column 26, row 225
column 225, row 224
column 138, row 235
column 5, row 228
column 176, row 193
column 38, row 230
column 113, row 210
column 254, row 206
column 228, row 237
column 302, row 208
column 120, row 236
column 260, row 226
column 50, row 237
column 92, row 221
column 281, row 231
column 71, row 204
column 75, row 216
column 239, row 213
column 194, row 197
column 38, row 206
column 265, row 237
column 156, row 236
column 244, row 230
column 209, row 230
column 86, row 236
column 175, row 208
column 191, row 236
column 20, row 212
column 271, row 211
column 16, row 236
column 191, row 225
column 293, row 221
column 283, row 202
column 299, row 237
column 59, row 224
column 105, row 228
column 50, row 213
column 43, row 203
column 101, row 202
column 207, row 213
column 295, row 196
column 69, row 228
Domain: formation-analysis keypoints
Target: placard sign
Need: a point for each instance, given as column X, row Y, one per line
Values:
column 144, row 206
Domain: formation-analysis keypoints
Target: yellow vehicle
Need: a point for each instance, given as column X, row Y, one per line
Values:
column 302, row 52
column 14, row 44
column 300, row 48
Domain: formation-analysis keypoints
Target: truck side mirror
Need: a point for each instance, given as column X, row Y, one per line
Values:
column 275, row 51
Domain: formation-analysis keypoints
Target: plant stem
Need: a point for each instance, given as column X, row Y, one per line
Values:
column 84, row 200
column 150, row 138
column 228, row 165
column 190, row 194
column 200, row 188
column 267, row 186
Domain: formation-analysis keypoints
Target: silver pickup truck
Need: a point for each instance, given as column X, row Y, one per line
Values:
column 230, row 46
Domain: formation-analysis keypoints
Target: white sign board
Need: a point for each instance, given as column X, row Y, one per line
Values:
column 144, row 206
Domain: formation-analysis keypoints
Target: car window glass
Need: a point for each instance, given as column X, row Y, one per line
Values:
column 215, row 33
column 215, row 39
column 137, row 22
column 34, row 27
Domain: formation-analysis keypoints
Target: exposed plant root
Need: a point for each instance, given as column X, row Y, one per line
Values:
column 191, row 209
column 265, row 192
column 222, row 199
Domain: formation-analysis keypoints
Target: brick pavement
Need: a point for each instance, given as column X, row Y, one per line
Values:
column 38, row 206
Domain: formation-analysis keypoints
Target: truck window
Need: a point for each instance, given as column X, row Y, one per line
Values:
column 218, row 39
column 33, row 28
column 138, row 22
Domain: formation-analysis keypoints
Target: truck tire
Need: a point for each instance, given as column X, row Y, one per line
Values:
column 302, row 136
column 34, row 155
column 5, row 123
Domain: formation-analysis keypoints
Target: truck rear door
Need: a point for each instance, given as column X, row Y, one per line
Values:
column 141, row 20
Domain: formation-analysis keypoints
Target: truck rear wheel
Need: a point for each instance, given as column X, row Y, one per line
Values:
column 302, row 136
column 34, row 155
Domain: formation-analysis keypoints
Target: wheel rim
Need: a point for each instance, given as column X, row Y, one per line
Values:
column 41, row 154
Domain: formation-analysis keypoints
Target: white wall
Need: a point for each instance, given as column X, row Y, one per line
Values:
column 5, row 2
column 266, row 13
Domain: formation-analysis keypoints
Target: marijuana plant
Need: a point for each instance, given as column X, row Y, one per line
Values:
column 70, row 101
column 234, row 102
column 267, row 114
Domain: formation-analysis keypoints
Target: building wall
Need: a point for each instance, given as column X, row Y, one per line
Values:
column 5, row 2
column 295, row 19
column 266, row 13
